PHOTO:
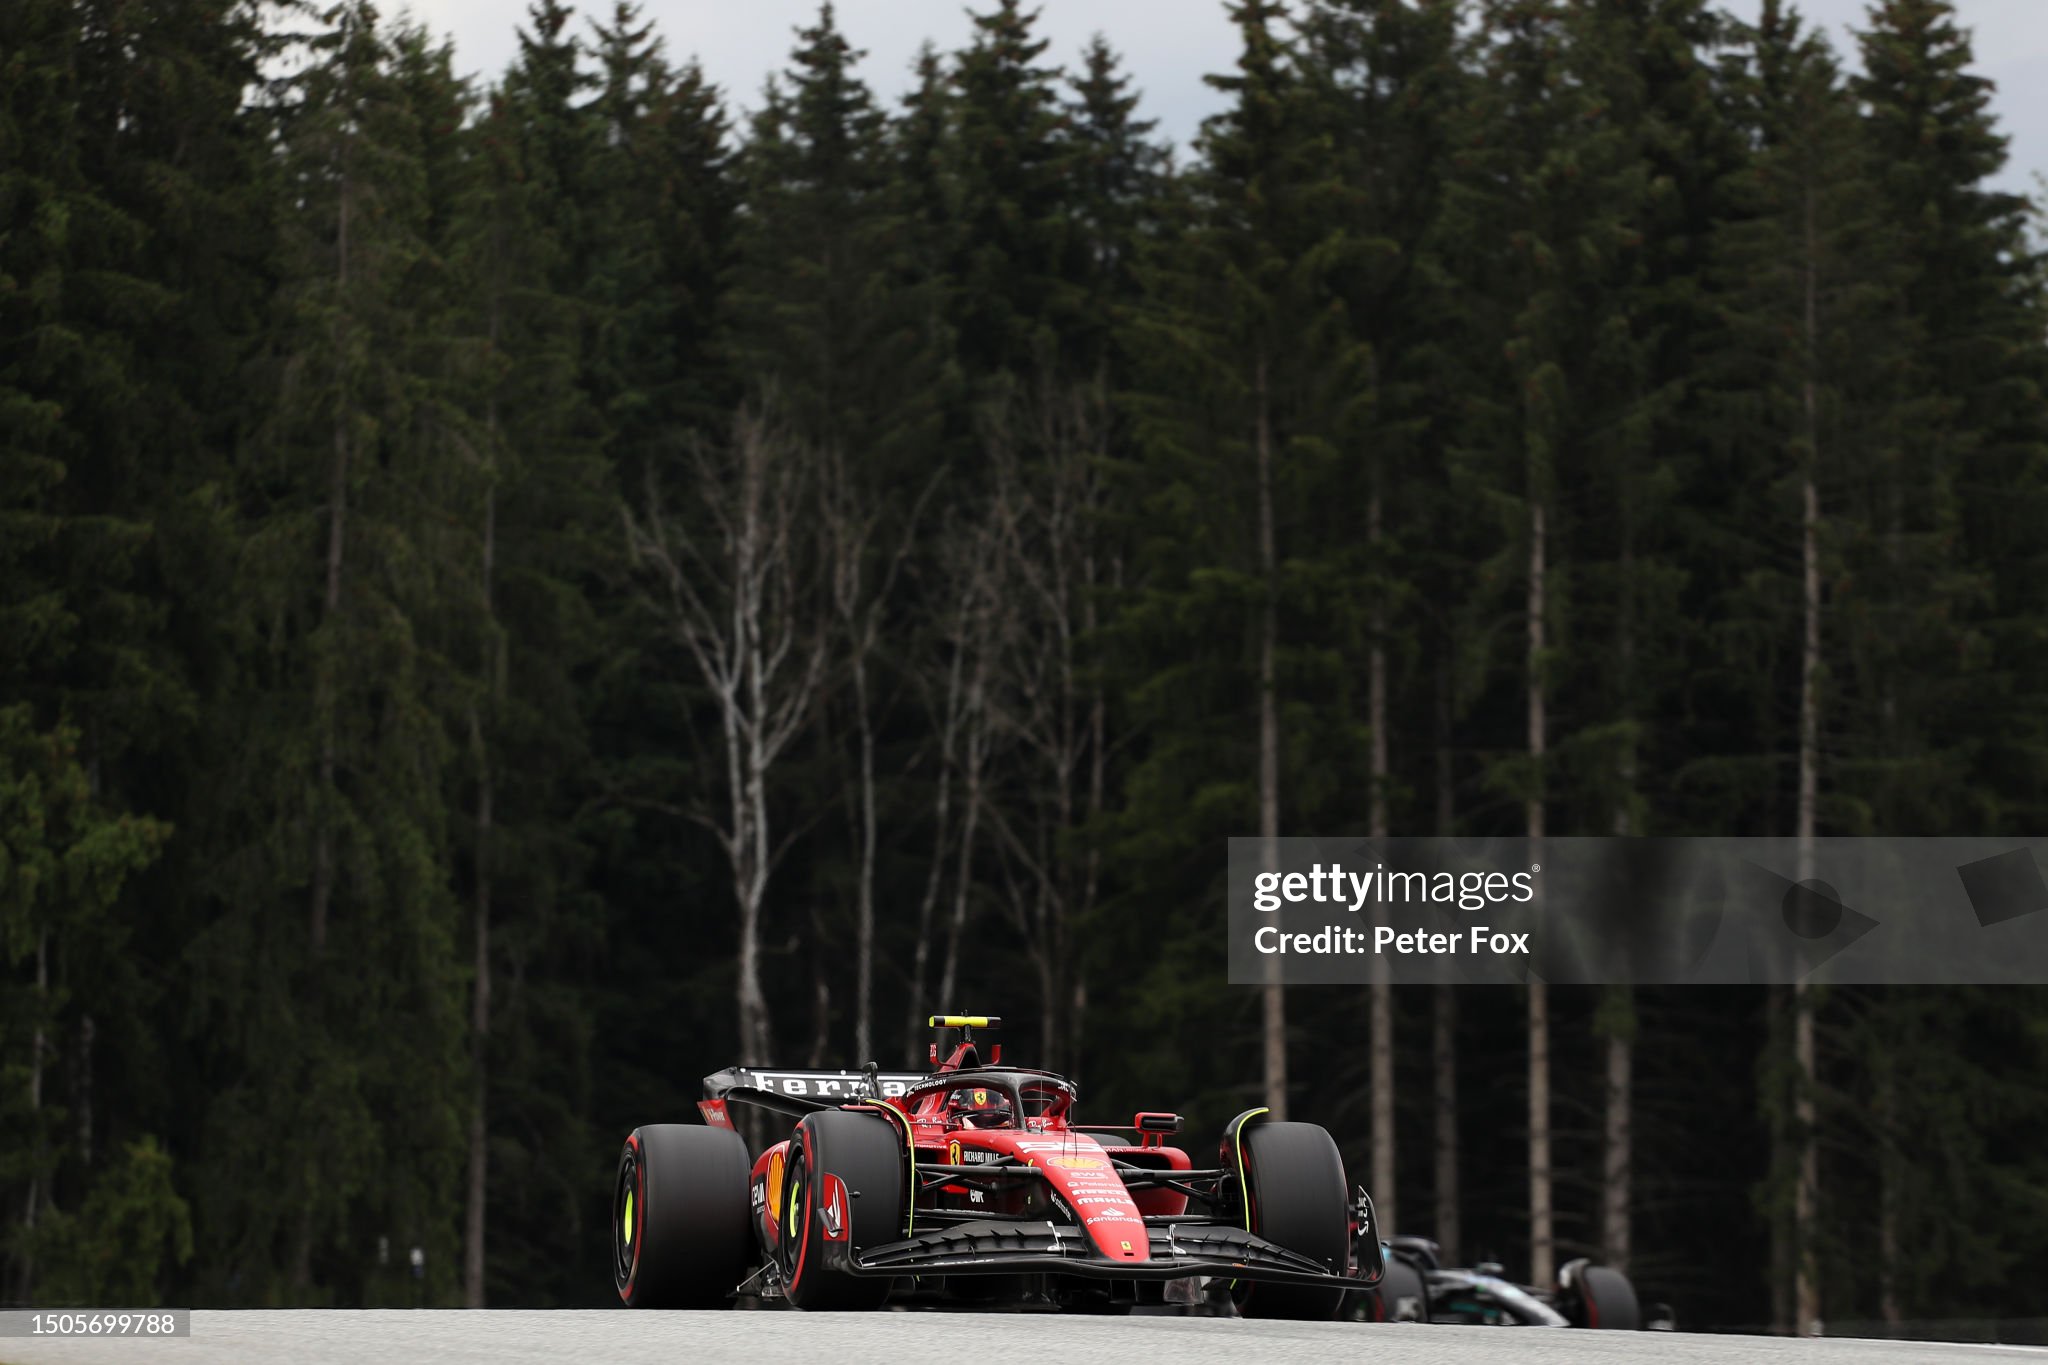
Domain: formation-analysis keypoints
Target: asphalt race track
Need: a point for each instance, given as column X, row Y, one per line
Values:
column 344, row 1337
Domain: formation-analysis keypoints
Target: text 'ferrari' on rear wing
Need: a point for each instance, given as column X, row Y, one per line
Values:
column 797, row 1092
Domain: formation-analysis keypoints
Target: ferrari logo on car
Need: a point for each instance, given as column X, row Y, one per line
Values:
column 953, row 1152
column 980, row 1098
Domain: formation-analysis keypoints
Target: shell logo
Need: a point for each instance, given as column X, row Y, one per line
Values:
column 774, row 1199
column 1077, row 1163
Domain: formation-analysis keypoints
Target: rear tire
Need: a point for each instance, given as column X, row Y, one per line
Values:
column 1297, row 1199
column 1400, row 1296
column 681, row 1231
column 1602, row 1297
column 864, row 1156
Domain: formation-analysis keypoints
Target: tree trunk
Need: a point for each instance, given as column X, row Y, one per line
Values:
column 864, row 899
column 1620, row 1134
column 1542, row 1233
column 977, row 752
column 753, row 1000
column 479, row 1034
column 1275, row 999
column 949, row 975
column 1098, row 796
column 323, row 839
column 1784, row 1155
column 473, row 1223
column 1446, row 764
column 1384, row 1188
column 337, row 529
column 81, row 1086
column 1444, row 1021
column 751, row 829
column 38, row 1042
column 1619, row 1017
column 1890, row 1176
column 821, row 996
column 1444, row 1046
column 927, row 908
column 1806, row 1199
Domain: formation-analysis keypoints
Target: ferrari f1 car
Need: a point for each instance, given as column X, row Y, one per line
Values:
column 975, row 1184
column 1416, row 1287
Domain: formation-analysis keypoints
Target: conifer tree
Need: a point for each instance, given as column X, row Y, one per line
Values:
column 1935, row 665
column 1811, row 331
column 1121, row 174
column 1009, row 160
column 1385, row 81
column 547, row 376
column 1236, row 350
column 328, row 976
column 1563, row 193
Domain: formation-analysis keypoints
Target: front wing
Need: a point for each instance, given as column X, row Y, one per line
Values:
column 999, row 1247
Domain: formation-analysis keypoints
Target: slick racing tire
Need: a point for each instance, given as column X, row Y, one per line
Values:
column 1296, row 1199
column 1400, row 1296
column 681, row 1235
column 1598, row 1296
column 845, row 1195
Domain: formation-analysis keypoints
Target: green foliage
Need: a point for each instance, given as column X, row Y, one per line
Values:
column 133, row 1230
column 63, row 856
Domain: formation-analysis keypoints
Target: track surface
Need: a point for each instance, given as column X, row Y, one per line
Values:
column 342, row 1337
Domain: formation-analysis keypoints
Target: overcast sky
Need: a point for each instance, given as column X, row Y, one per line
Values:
column 1168, row 45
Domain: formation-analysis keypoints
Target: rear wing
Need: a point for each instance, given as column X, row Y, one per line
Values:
column 796, row 1093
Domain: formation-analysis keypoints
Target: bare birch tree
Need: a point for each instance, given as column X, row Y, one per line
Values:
column 974, row 643
column 945, row 705
column 734, row 579
column 1618, row 1025
column 861, row 594
column 1050, row 716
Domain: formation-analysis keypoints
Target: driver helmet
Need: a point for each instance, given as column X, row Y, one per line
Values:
column 979, row 1108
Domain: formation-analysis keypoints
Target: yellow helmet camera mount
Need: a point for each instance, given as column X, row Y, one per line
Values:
column 967, row 1024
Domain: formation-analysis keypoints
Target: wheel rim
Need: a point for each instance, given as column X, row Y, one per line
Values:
column 628, row 1208
column 796, row 1175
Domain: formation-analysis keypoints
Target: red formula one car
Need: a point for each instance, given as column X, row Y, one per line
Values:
column 974, row 1185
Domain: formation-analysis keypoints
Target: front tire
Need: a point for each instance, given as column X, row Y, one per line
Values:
column 681, row 1230
column 1296, row 1198
column 845, row 1196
